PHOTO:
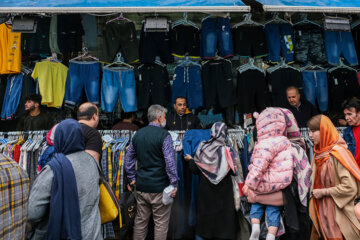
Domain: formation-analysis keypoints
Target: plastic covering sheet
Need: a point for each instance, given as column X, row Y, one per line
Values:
column 118, row 3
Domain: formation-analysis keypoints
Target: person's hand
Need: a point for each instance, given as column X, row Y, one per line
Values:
column 342, row 122
column 245, row 190
column 130, row 186
column 320, row 193
column 187, row 157
column 173, row 194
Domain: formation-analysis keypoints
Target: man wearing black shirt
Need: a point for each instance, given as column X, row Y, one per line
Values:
column 182, row 119
column 34, row 119
column 303, row 110
column 88, row 117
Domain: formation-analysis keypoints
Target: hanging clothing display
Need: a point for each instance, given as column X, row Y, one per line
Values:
column 185, row 40
column 338, row 44
column 155, row 44
column 280, row 41
column 315, row 85
column 51, row 77
column 118, row 84
column 187, row 83
column 153, row 86
column 10, row 50
column 309, row 44
column 343, row 84
column 12, row 96
column 53, row 35
column 252, row 91
column 120, row 37
column 69, row 33
column 216, row 32
column 90, row 26
column 37, row 43
column 81, row 75
column 219, row 89
column 249, row 41
column 280, row 80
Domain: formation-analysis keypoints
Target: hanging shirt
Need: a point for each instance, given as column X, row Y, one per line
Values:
column 356, row 131
column 52, row 78
column 10, row 50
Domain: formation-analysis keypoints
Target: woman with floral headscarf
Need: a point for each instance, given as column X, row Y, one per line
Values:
column 215, row 162
column 335, row 180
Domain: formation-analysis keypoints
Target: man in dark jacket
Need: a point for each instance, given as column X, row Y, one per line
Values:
column 182, row 118
column 153, row 150
column 352, row 133
column 303, row 110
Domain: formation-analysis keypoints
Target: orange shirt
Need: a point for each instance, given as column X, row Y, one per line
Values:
column 10, row 50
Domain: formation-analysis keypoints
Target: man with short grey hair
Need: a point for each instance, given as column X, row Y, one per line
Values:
column 156, row 169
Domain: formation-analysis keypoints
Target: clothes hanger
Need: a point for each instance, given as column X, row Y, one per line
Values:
column 276, row 19
column 188, row 61
column 84, row 55
column 341, row 65
column 120, row 18
column 52, row 58
column 185, row 21
column 247, row 21
column 310, row 66
column 250, row 66
column 119, row 62
column 305, row 20
column 281, row 65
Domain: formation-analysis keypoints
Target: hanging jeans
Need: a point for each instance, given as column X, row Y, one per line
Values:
column 315, row 85
column 279, row 40
column 337, row 43
column 12, row 96
column 216, row 32
column 115, row 83
column 82, row 75
column 187, row 83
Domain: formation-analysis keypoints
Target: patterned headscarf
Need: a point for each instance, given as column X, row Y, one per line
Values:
column 214, row 158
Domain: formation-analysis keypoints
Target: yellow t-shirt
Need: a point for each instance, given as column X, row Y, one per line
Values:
column 52, row 78
column 10, row 50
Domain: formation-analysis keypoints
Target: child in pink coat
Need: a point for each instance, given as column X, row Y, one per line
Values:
column 271, row 169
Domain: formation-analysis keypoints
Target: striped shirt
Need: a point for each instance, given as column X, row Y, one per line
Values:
column 14, row 194
column 169, row 155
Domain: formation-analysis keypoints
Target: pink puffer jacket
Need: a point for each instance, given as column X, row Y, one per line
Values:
column 271, row 167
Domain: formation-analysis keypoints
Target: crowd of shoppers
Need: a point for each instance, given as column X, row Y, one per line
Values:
column 301, row 200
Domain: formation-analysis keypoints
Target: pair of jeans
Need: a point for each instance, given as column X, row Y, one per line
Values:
column 115, row 83
column 82, row 75
column 280, row 40
column 272, row 213
column 340, row 43
column 216, row 31
column 12, row 96
column 187, row 83
column 315, row 85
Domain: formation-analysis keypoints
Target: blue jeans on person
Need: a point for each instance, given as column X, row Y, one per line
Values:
column 315, row 85
column 117, row 83
column 12, row 96
column 272, row 213
column 279, row 39
column 82, row 75
column 216, row 31
column 187, row 83
column 337, row 43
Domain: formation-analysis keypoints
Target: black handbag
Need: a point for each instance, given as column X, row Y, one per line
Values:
column 128, row 212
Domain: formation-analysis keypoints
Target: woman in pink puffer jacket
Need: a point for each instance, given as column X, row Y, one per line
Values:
column 271, row 168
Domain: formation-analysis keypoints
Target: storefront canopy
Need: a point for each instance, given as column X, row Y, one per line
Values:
column 335, row 6
column 103, row 6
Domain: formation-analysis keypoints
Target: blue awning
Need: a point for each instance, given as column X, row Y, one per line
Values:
column 336, row 6
column 122, row 5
